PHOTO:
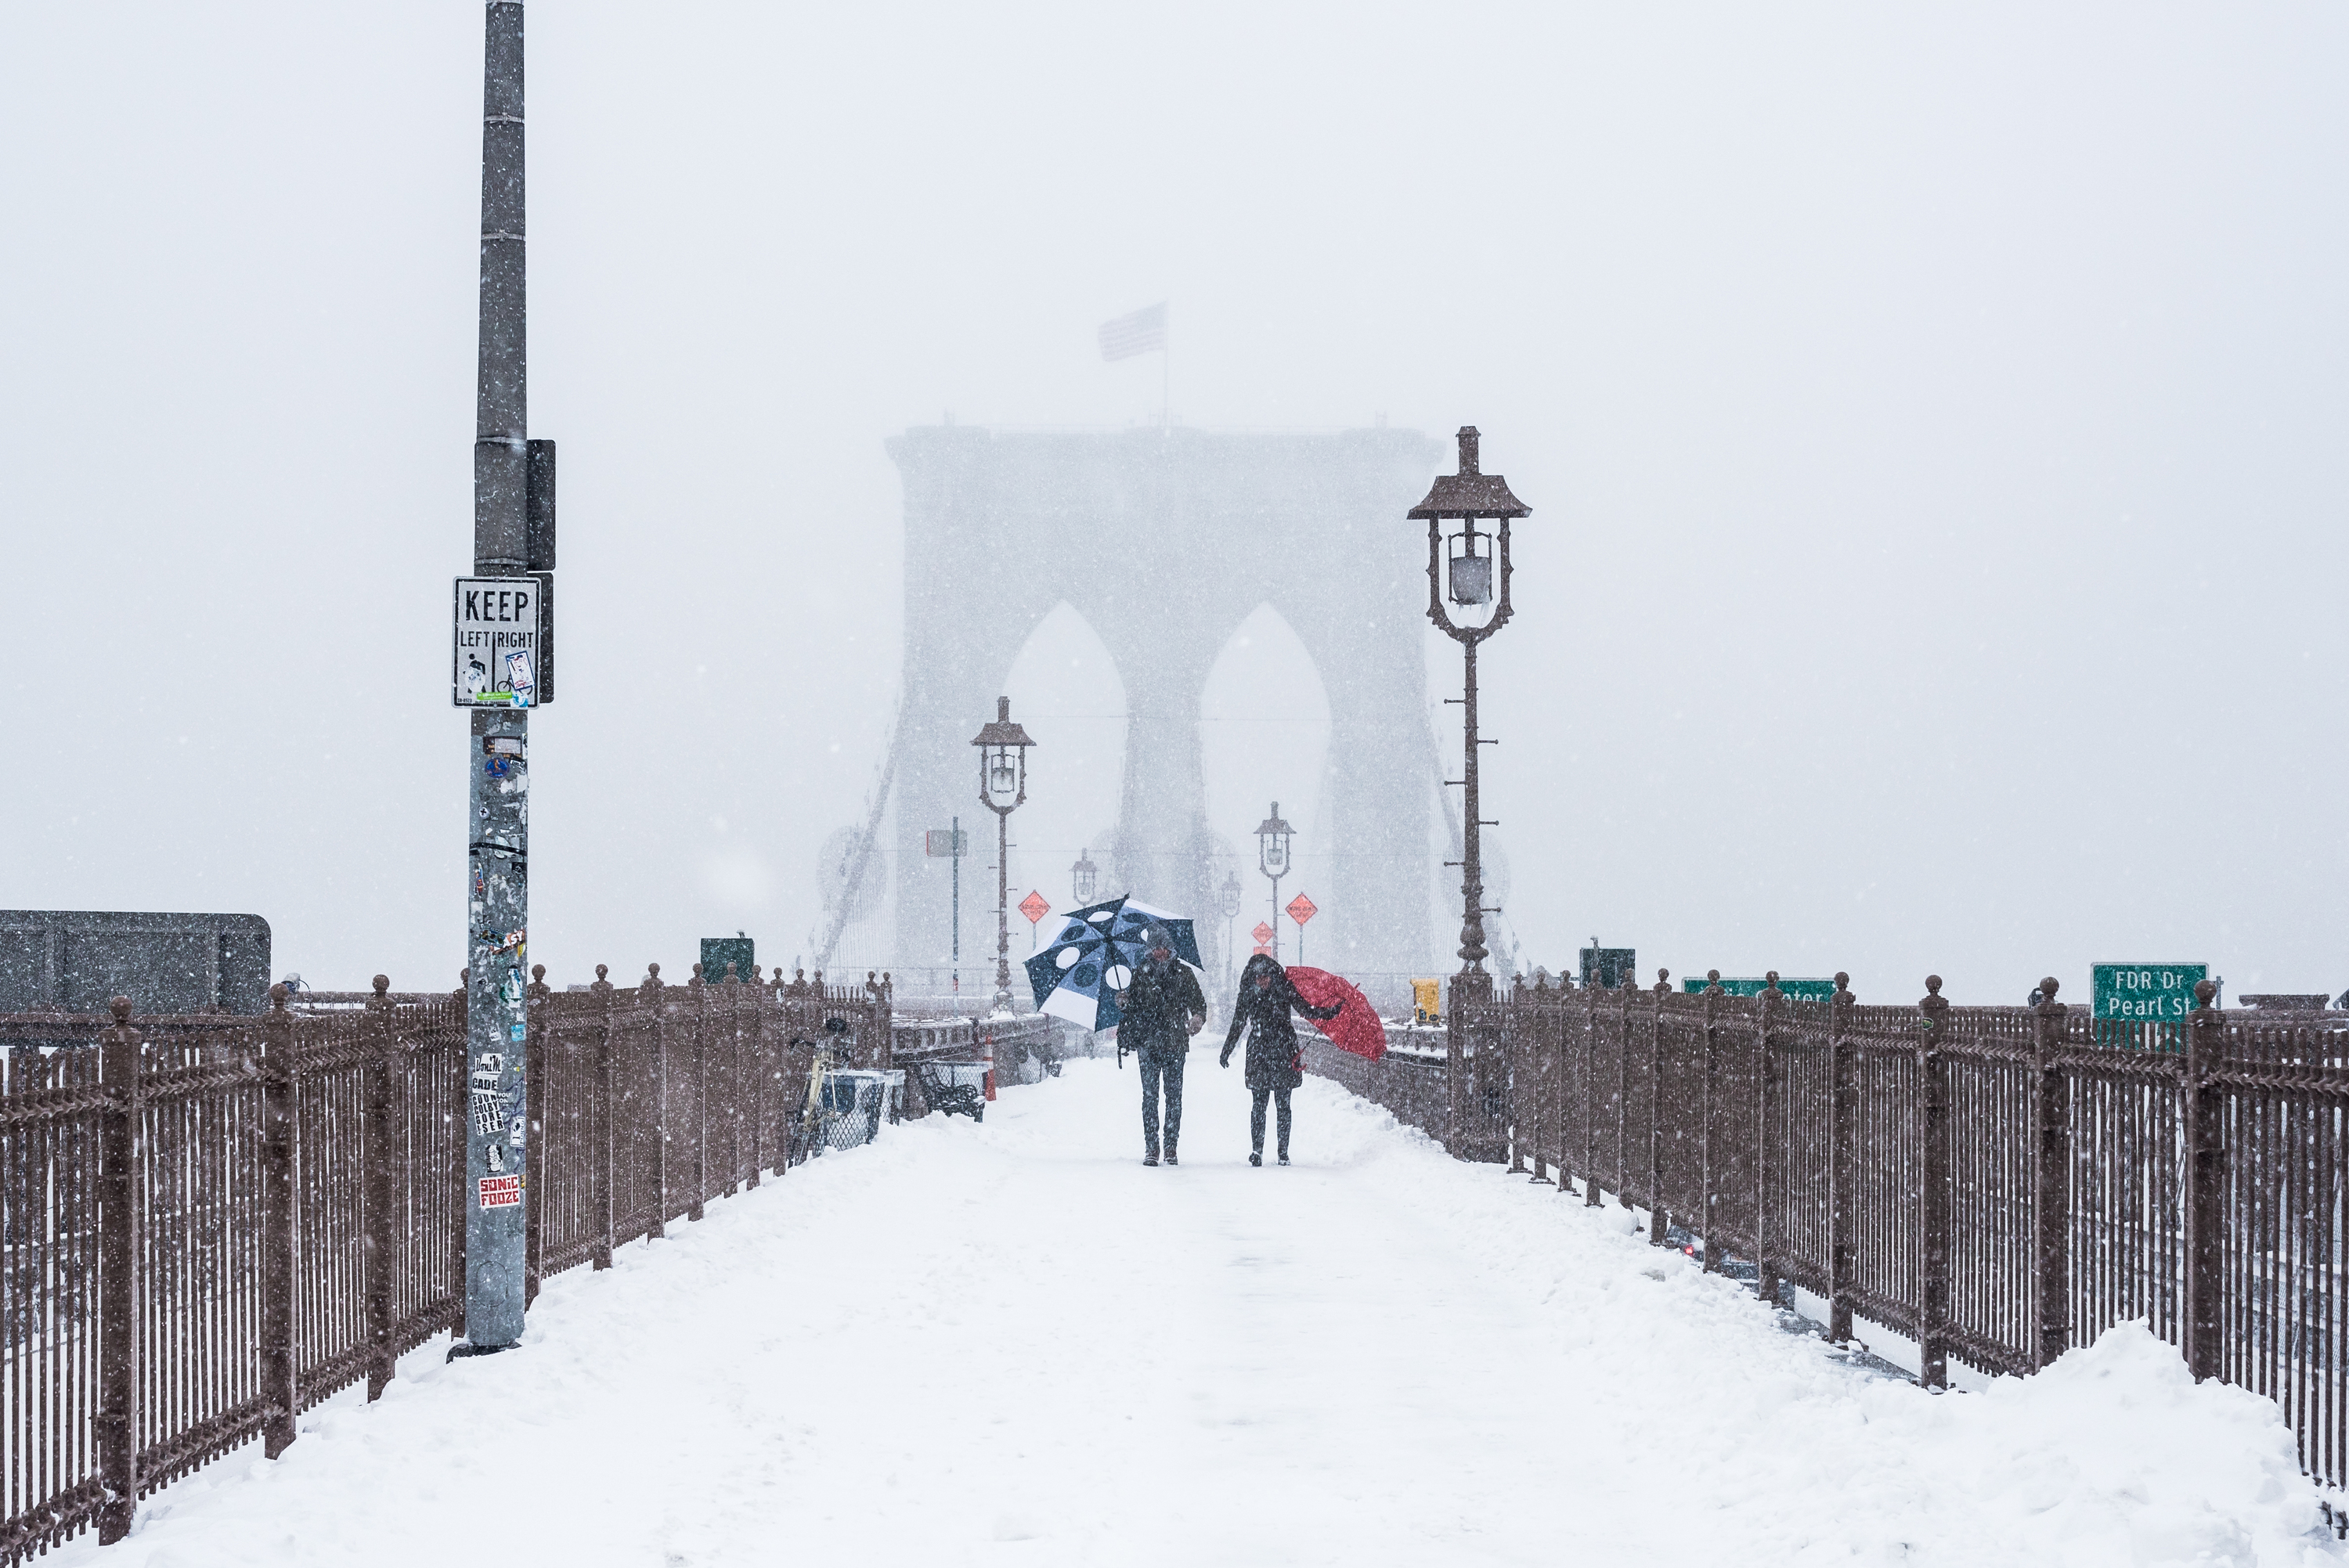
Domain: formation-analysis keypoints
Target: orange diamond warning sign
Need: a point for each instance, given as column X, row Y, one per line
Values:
column 1034, row 907
column 1263, row 932
column 1301, row 909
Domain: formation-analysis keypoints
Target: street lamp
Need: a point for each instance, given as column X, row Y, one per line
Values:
column 1227, row 904
column 1002, row 790
column 1272, row 836
column 1085, row 877
column 1461, row 557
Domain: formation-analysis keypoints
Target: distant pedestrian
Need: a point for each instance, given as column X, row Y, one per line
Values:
column 1275, row 1060
column 1160, row 1009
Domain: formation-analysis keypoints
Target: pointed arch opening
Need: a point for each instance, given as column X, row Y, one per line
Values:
column 1264, row 735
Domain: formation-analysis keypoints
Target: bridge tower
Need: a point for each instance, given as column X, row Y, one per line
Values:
column 1164, row 541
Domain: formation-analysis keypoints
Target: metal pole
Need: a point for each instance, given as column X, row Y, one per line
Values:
column 1473, row 950
column 955, row 844
column 497, row 752
column 1002, row 911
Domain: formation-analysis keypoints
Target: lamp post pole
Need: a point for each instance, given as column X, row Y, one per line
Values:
column 502, row 673
column 1272, row 841
column 1002, row 790
column 1467, row 497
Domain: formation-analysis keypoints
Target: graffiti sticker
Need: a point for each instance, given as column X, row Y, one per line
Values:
column 500, row 1192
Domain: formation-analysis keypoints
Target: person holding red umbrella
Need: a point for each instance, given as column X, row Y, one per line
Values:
column 1275, row 1060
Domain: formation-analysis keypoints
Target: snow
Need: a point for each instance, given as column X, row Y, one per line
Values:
column 1009, row 1342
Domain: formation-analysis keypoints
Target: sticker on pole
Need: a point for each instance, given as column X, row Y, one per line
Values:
column 501, row 641
column 500, row 1192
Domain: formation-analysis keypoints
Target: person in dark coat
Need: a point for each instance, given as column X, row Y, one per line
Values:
column 1160, row 1009
column 1275, row 1061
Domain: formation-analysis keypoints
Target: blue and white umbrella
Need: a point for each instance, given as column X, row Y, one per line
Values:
column 1095, row 955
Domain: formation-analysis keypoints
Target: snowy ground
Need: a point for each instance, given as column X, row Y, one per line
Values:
column 1011, row 1344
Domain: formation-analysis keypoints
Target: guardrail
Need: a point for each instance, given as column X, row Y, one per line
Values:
column 209, row 1223
column 1995, row 1184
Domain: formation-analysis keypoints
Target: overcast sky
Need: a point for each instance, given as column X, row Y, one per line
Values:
column 1932, row 419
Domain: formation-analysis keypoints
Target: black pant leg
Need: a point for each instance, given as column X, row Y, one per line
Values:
column 1174, row 1070
column 1148, row 1062
column 1280, row 1097
column 1255, row 1121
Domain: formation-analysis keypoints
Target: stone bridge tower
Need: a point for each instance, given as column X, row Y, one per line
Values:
column 1164, row 541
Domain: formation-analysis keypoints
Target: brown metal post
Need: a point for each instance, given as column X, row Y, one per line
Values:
column 700, row 995
column 1623, row 1091
column 1933, row 1194
column 649, row 992
column 380, row 1139
column 1765, row 1275
column 121, row 1255
column 1591, row 1094
column 277, row 1221
column 2051, row 1186
column 1512, row 1046
column 1843, row 1202
column 737, row 1140
column 1660, row 1223
column 1705, row 1097
column 2206, row 1191
column 755, row 1053
column 461, row 1204
column 601, row 1138
column 533, row 1187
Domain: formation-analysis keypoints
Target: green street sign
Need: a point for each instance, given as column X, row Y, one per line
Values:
column 2145, row 992
column 1748, row 985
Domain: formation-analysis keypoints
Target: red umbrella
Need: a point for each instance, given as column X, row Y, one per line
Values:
column 1356, row 1028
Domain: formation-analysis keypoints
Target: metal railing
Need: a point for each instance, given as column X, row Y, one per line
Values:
column 209, row 1223
column 1996, row 1184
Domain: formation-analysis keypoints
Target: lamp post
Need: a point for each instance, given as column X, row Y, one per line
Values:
column 1227, row 904
column 1084, row 878
column 1002, row 790
column 1272, row 836
column 1460, row 559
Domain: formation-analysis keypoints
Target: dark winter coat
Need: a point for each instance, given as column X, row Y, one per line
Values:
column 1155, row 1009
column 1272, row 1042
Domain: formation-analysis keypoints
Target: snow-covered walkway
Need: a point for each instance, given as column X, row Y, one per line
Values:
column 1010, row 1342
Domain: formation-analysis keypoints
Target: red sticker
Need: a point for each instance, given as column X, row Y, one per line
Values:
column 500, row 1192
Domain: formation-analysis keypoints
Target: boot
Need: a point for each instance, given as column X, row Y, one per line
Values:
column 1284, row 1157
column 1149, row 1159
column 1170, row 1156
column 1257, row 1158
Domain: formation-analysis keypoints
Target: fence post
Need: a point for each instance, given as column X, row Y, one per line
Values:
column 1512, row 1039
column 1765, row 1277
column 757, row 1071
column 601, row 1134
column 376, row 1149
column 1623, row 1091
column 462, row 1198
column 1713, row 996
column 1933, row 1195
column 650, row 992
column 2051, row 1188
column 737, row 1089
column 700, row 991
column 2206, row 1190
column 540, row 1014
column 121, row 1253
column 1659, row 1222
column 1591, row 1092
column 277, row 1221
column 1531, row 1007
column 1843, row 1133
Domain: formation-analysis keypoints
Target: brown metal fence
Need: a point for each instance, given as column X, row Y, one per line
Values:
column 1994, row 1183
column 209, row 1223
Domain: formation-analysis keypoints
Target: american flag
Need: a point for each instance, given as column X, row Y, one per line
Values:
column 1137, row 334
